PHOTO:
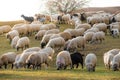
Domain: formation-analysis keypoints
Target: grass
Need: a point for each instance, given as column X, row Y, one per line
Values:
column 51, row 73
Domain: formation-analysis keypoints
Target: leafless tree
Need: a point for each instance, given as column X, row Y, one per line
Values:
column 65, row 6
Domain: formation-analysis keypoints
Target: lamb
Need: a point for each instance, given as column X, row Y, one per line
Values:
column 14, row 41
column 77, row 58
column 45, row 40
column 7, row 58
column 40, row 34
column 56, row 43
column 26, row 18
column 115, row 64
column 10, row 35
column 52, row 31
column 65, row 35
column 90, row 62
column 23, row 43
column 98, row 37
column 75, row 43
column 63, row 60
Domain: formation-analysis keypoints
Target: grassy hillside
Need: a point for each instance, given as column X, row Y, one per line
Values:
column 52, row 74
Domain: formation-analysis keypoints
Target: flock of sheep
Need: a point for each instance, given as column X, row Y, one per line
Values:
column 67, row 43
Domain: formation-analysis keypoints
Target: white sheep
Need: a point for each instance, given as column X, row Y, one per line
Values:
column 88, row 36
column 14, row 41
column 55, row 36
column 90, row 62
column 73, row 32
column 56, row 43
column 98, row 37
column 63, row 60
column 10, row 35
column 32, row 49
column 40, row 34
column 5, row 28
column 115, row 32
column 65, row 35
column 115, row 64
column 16, row 59
column 7, row 58
column 92, row 30
column 75, row 43
column 85, row 26
column 48, row 26
column 52, row 31
column 45, row 40
column 23, row 43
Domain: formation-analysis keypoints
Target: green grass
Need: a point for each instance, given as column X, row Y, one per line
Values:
column 52, row 74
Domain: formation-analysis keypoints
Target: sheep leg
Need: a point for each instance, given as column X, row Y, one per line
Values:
column 5, row 66
column 12, row 66
column 65, row 67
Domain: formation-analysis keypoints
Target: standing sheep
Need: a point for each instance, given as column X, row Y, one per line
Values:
column 23, row 43
column 14, row 41
column 7, row 58
column 90, row 62
column 63, row 60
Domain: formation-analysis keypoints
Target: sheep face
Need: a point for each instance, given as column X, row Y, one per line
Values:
column 59, row 65
column 43, row 45
column 115, row 67
column 90, row 68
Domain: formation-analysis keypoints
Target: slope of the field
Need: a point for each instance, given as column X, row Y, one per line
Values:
column 51, row 73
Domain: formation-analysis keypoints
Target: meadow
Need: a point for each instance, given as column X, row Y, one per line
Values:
column 51, row 73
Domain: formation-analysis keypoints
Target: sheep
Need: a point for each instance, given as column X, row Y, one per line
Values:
column 80, row 32
column 115, row 64
column 65, row 35
column 63, row 59
column 22, row 59
column 98, row 37
column 117, row 17
column 108, row 57
column 14, row 41
column 48, row 26
column 90, row 62
column 36, row 59
column 7, row 58
column 75, row 43
column 66, row 18
column 56, row 43
column 45, row 40
column 92, row 30
column 88, row 36
column 32, row 49
column 85, row 26
column 26, row 18
column 10, row 35
column 5, row 28
column 52, row 31
column 16, row 59
column 101, row 27
column 77, row 58
column 115, row 32
column 36, row 27
column 73, row 32
column 23, row 43
column 55, row 36
column 40, row 34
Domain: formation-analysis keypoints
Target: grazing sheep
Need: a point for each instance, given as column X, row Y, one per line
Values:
column 23, row 43
column 10, row 35
column 56, row 43
column 90, row 62
column 63, row 59
column 5, row 28
column 98, row 37
column 14, row 41
column 55, row 36
column 32, row 49
column 52, row 31
column 45, row 40
column 22, row 59
column 115, row 32
column 29, row 19
column 92, row 30
column 88, row 36
column 7, row 58
column 40, row 34
column 16, row 59
column 75, row 43
column 72, row 32
column 77, row 58
column 65, row 35
column 85, row 26
column 115, row 64
column 48, row 26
